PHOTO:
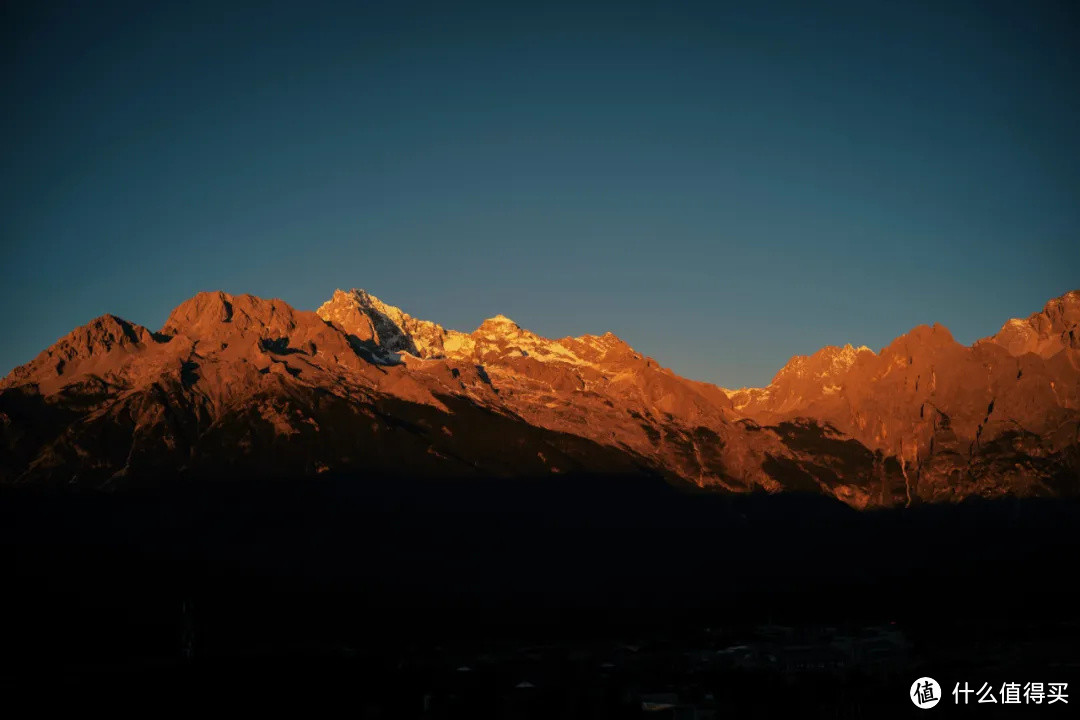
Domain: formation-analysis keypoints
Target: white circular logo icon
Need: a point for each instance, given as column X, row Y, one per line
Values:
column 925, row 693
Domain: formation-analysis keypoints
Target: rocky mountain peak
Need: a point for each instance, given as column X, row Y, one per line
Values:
column 385, row 330
column 498, row 325
column 831, row 361
column 1046, row 333
column 922, row 341
column 213, row 315
column 86, row 348
column 372, row 305
column 104, row 331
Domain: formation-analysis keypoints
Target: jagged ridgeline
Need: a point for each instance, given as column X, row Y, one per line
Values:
column 235, row 384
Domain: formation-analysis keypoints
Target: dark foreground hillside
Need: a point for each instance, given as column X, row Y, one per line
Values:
column 582, row 597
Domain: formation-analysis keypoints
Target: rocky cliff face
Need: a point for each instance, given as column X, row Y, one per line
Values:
column 1044, row 333
column 242, row 385
column 1001, row 416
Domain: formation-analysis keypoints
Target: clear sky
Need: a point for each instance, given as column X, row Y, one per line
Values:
column 722, row 185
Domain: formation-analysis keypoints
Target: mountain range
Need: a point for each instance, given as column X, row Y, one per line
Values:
column 236, row 385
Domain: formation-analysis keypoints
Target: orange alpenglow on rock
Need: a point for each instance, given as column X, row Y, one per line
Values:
column 236, row 384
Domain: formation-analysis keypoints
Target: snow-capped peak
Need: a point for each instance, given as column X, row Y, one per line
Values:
column 387, row 332
column 498, row 325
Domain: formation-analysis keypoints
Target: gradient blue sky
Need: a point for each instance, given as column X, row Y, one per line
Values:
column 722, row 185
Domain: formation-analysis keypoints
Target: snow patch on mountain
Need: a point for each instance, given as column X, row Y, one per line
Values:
column 388, row 333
